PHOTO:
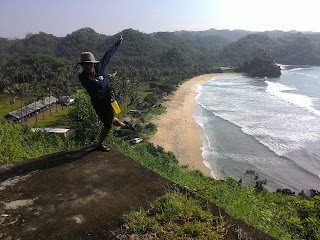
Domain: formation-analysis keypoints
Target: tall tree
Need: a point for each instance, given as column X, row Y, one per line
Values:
column 10, row 90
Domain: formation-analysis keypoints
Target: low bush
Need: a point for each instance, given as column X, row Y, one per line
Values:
column 18, row 142
column 173, row 216
column 84, row 120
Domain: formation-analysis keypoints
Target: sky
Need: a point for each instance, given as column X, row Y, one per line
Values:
column 62, row 17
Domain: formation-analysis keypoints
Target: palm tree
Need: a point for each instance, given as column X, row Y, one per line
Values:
column 10, row 85
column 19, row 88
column 11, row 91
column 61, row 81
column 43, row 72
column 47, row 89
column 55, row 90
column 26, row 93
column 26, row 73
column 125, row 89
column 36, row 89
column 146, row 74
column 41, row 94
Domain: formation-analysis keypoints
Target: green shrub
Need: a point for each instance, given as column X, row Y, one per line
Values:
column 138, row 127
column 157, row 91
column 173, row 216
column 18, row 142
column 84, row 120
column 142, row 119
column 151, row 99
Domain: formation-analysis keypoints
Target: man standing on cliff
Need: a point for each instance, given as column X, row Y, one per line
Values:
column 95, row 81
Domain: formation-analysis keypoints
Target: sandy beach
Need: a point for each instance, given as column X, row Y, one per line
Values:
column 177, row 130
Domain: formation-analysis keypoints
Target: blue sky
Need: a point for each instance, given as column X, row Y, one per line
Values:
column 60, row 17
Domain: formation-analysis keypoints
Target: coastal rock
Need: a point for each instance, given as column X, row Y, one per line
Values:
column 261, row 64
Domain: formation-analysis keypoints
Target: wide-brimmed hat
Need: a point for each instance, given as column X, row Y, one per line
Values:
column 87, row 57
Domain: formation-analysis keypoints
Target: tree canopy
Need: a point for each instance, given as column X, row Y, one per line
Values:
column 261, row 64
column 141, row 49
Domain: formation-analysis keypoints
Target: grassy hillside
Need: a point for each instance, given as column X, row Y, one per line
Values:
column 281, row 216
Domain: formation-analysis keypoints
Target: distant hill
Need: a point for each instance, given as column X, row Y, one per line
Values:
column 229, row 35
column 210, row 47
column 236, row 52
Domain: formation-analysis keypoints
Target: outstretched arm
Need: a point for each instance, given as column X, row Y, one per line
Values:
column 107, row 56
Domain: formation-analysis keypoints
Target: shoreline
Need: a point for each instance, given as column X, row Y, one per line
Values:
column 177, row 130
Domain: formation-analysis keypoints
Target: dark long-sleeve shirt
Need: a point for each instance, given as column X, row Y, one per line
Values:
column 96, row 86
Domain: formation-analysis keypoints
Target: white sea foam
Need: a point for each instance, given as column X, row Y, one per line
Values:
column 277, row 89
column 197, row 116
column 308, row 75
column 208, row 165
column 277, row 133
column 256, row 160
column 278, row 116
column 199, row 88
column 296, row 69
column 280, row 131
column 283, row 66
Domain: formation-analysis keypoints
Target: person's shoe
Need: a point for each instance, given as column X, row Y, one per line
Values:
column 129, row 126
column 103, row 148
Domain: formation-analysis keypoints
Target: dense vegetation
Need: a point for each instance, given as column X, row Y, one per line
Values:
column 18, row 142
column 208, row 48
column 282, row 216
column 173, row 216
column 261, row 64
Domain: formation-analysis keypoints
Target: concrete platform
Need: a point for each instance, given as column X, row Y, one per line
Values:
column 78, row 194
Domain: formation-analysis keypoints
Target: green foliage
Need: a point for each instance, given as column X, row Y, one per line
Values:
column 5, row 106
column 180, row 44
column 142, row 119
column 294, row 48
column 84, row 120
column 138, row 127
column 18, row 142
column 158, row 110
column 282, row 216
column 175, row 57
column 167, row 88
column 173, row 216
column 84, row 39
column 261, row 64
column 298, row 50
column 151, row 126
column 151, row 99
column 256, row 181
column 241, row 50
column 161, row 50
column 58, row 119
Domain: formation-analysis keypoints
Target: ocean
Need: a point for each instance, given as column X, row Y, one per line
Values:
column 268, row 125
